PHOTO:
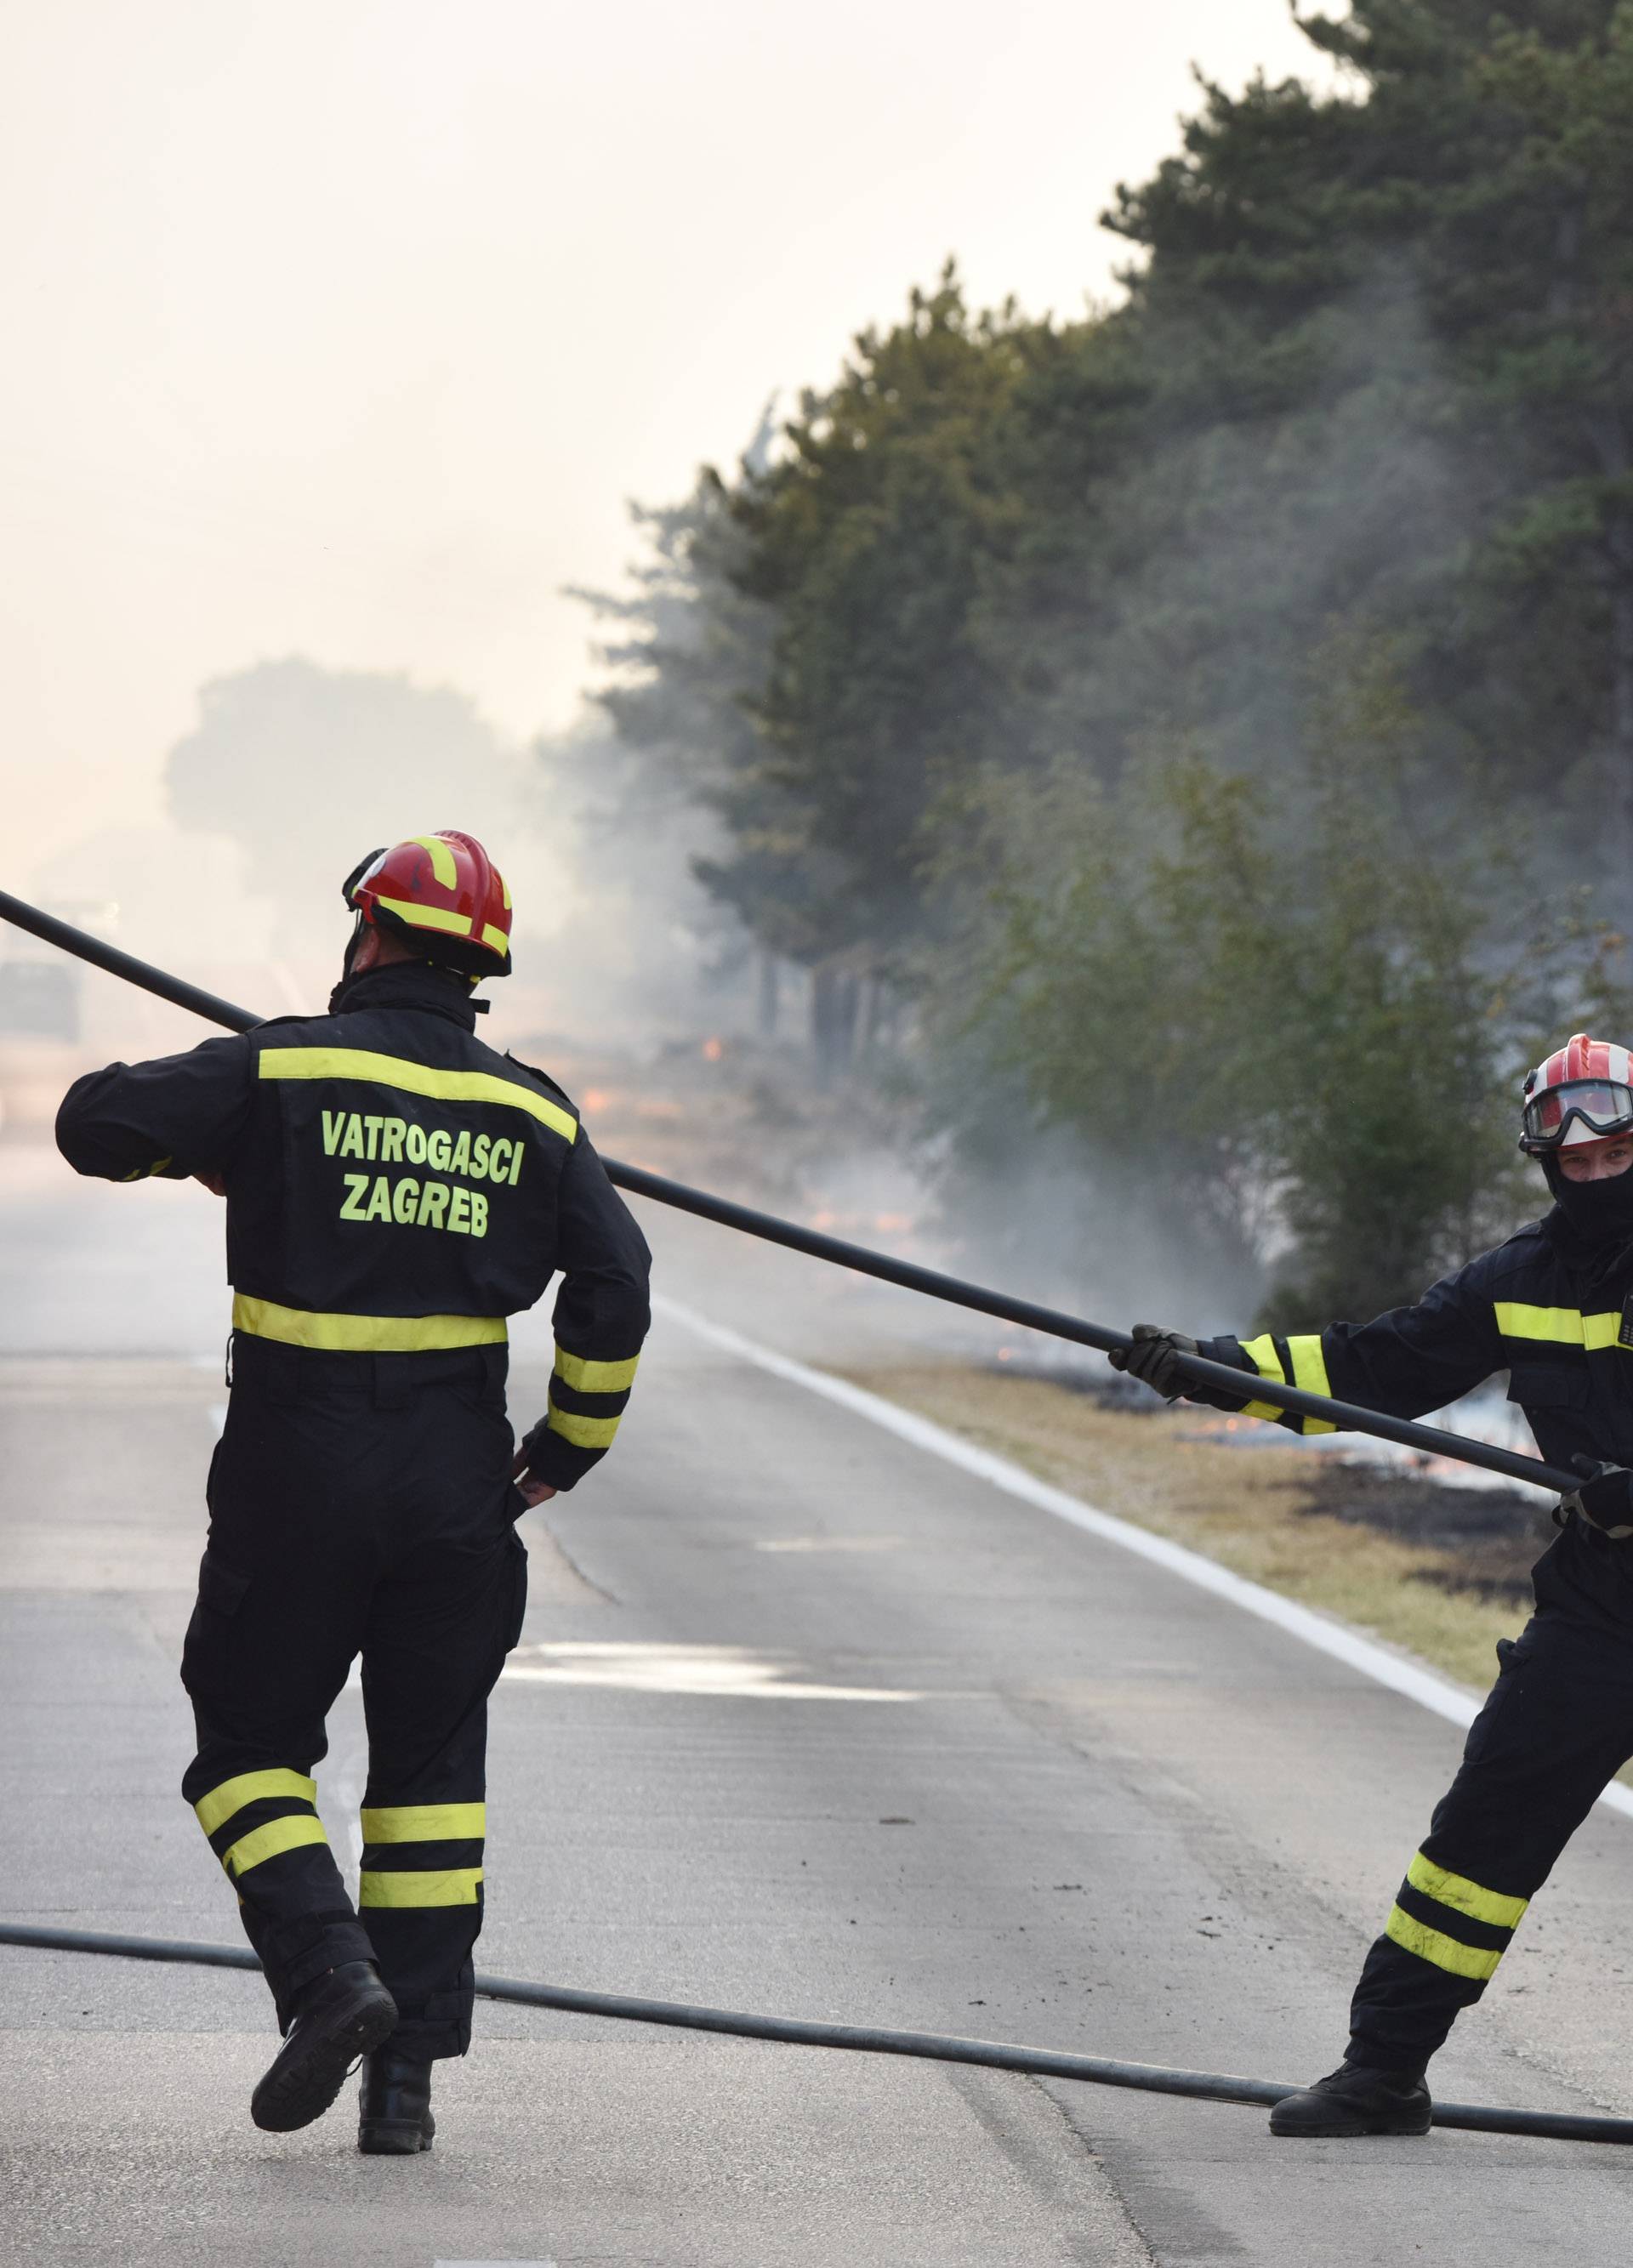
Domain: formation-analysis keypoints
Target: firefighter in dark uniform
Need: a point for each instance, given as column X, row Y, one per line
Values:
column 394, row 1189
column 1553, row 1307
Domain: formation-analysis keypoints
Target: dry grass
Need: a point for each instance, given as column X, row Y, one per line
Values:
column 1255, row 1510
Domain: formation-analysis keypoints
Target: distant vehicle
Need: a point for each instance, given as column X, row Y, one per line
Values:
column 38, row 987
column 39, row 998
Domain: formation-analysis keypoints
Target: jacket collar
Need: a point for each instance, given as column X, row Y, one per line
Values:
column 408, row 984
column 1596, row 1267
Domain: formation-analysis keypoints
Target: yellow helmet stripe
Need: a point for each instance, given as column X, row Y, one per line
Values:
column 442, row 865
column 418, row 917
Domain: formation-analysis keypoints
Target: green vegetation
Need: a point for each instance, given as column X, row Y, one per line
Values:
column 1118, row 708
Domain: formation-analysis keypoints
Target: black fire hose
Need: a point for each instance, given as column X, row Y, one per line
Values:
column 1431, row 1440
column 865, row 2039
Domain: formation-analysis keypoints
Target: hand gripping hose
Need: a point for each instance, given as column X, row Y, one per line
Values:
column 1345, row 1415
column 864, row 2039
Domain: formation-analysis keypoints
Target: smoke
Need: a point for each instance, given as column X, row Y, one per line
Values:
column 641, row 956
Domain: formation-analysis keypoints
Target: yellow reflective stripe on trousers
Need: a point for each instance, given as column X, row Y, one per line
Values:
column 215, row 1808
column 424, row 1823
column 1445, row 1953
column 1262, row 1354
column 1557, row 1326
column 1456, row 1890
column 265, row 1842
column 583, row 1432
column 264, row 1319
column 587, row 1377
column 417, row 1078
column 454, row 1886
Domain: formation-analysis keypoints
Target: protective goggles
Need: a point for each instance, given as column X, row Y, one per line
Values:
column 1598, row 1104
column 357, row 875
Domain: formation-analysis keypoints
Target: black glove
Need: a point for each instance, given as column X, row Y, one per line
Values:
column 1153, row 1358
column 1605, row 1499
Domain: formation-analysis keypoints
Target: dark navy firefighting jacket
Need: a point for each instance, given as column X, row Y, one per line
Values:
column 1552, row 1311
column 394, row 1187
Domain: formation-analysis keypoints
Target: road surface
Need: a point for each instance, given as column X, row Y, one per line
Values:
column 805, row 1720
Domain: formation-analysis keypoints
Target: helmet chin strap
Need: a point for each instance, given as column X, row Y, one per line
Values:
column 358, row 926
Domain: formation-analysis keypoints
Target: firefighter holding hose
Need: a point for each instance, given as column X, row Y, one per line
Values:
column 1553, row 1307
column 394, row 1189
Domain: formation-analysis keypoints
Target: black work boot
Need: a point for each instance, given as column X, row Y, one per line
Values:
column 394, row 2111
column 1356, row 2099
column 339, row 2016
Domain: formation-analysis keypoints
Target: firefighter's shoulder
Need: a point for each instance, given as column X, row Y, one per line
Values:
column 284, row 1025
column 1526, row 1251
column 543, row 1080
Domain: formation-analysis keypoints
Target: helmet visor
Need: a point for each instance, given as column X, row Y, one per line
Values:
column 1593, row 1107
column 364, row 867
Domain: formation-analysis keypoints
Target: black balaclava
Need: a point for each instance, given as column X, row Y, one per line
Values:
column 1600, row 1212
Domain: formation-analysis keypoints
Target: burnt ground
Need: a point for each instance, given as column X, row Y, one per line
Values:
column 1488, row 1539
column 1491, row 1538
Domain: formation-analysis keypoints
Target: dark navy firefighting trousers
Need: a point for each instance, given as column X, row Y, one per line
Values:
column 1555, row 1728
column 359, row 1504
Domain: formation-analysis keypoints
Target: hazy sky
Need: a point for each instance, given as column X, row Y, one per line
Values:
column 346, row 327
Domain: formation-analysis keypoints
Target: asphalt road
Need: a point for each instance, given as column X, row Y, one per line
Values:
column 805, row 1720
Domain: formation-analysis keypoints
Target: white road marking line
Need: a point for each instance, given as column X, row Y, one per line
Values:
column 731, row 1672
column 347, row 1785
column 1324, row 1632
column 829, row 1543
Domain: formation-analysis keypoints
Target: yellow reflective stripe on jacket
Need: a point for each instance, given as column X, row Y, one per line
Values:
column 424, row 1823
column 215, row 1808
column 1557, row 1326
column 453, row 1886
column 594, row 1377
column 1310, row 1372
column 417, row 1078
column 1468, row 1897
column 1262, row 1354
column 146, row 1173
column 265, row 1842
column 1433, row 1945
column 264, row 1319
column 583, row 1432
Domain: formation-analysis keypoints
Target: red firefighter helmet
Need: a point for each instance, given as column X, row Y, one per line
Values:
column 1581, row 1094
column 440, row 894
